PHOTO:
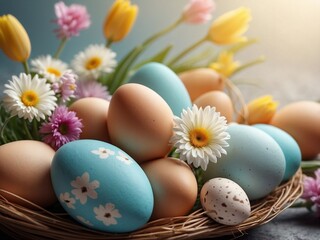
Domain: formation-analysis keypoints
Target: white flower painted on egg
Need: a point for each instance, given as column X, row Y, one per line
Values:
column 123, row 158
column 84, row 188
column 103, row 152
column 83, row 220
column 67, row 199
column 107, row 214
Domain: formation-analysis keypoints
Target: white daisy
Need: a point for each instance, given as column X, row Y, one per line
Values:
column 123, row 158
column 93, row 61
column 29, row 97
column 50, row 68
column 200, row 136
column 83, row 220
column 107, row 214
column 84, row 188
column 67, row 199
column 103, row 152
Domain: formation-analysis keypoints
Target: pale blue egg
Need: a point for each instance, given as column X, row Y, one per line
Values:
column 254, row 160
column 288, row 145
column 166, row 83
column 101, row 186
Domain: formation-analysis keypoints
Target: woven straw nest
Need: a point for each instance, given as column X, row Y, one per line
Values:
column 23, row 223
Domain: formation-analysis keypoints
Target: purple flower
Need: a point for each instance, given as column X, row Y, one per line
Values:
column 312, row 189
column 65, row 86
column 71, row 19
column 91, row 88
column 198, row 11
column 63, row 127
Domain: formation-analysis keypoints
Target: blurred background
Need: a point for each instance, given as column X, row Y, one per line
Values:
column 288, row 32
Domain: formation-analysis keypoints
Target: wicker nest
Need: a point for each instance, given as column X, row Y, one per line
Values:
column 23, row 223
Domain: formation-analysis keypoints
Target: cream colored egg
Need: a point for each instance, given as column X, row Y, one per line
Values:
column 93, row 113
column 201, row 80
column 225, row 201
column 174, row 187
column 140, row 122
column 25, row 171
column 218, row 99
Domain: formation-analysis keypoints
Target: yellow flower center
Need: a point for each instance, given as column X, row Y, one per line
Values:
column 93, row 63
column 30, row 98
column 72, row 87
column 54, row 71
column 199, row 137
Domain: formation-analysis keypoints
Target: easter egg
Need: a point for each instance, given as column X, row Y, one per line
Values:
column 301, row 120
column 25, row 171
column 93, row 113
column 218, row 99
column 166, row 83
column 101, row 186
column 201, row 80
column 225, row 201
column 174, row 187
column 289, row 147
column 140, row 122
column 254, row 160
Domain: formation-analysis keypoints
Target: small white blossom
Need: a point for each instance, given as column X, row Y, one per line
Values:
column 83, row 188
column 103, row 152
column 107, row 214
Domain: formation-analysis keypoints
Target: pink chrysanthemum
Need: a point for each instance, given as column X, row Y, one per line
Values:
column 71, row 19
column 91, row 88
column 65, row 86
column 312, row 190
column 198, row 11
column 63, row 127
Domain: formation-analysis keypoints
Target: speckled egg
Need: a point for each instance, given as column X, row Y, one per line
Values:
column 166, row 83
column 225, row 201
column 101, row 186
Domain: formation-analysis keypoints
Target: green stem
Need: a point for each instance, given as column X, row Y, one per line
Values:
column 35, row 129
column 61, row 47
column 26, row 67
column 3, row 127
column 250, row 64
column 186, row 51
column 108, row 44
column 25, row 125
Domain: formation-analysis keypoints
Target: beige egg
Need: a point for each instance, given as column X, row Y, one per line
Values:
column 25, row 171
column 201, row 80
column 302, row 121
column 218, row 99
column 140, row 122
column 93, row 113
column 174, row 187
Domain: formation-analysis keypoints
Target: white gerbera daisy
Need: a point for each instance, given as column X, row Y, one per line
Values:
column 200, row 136
column 93, row 61
column 29, row 97
column 50, row 68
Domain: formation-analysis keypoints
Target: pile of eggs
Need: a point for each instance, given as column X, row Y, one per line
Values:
column 120, row 175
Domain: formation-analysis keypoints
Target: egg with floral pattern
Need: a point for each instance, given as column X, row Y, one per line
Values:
column 101, row 186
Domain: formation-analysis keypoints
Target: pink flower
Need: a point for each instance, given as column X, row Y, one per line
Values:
column 198, row 11
column 63, row 127
column 312, row 189
column 91, row 88
column 65, row 86
column 71, row 19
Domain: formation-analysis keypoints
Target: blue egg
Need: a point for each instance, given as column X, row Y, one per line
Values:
column 254, row 160
column 166, row 83
column 288, row 145
column 101, row 186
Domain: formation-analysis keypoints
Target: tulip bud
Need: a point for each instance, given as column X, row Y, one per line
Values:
column 14, row 40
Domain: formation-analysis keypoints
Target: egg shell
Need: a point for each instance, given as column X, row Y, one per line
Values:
column 301, row 120
column 25, row 171
column 289, row 146
column 174, row 187
column 218, row 99
column 254, row 160
column 201, row 80
column 166, row 83
column 101, row 186
column 140, row 122
column 93, row 113
column 225, row 201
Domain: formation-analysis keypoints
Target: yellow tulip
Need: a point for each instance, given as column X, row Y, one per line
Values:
column 120, row 20
column 14, row 40
column 260, row 110
column 225, row 65
column 230, row 27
